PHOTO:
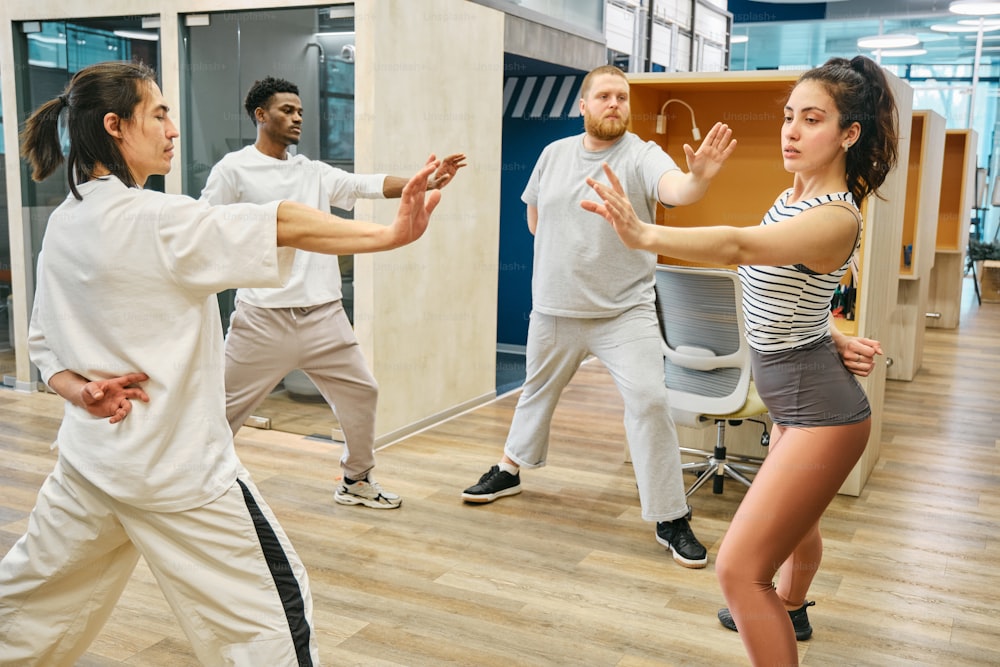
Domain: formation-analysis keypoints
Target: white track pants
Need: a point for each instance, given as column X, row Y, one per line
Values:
column 226, row 569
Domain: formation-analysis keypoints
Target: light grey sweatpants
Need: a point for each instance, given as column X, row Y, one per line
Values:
column 631, row 347
column 266, row 344
column 227, row 570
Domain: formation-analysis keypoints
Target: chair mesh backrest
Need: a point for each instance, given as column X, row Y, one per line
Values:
column 700, row 308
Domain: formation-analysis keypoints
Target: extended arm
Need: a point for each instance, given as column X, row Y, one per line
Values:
column 677, row 188
column 303, row 227
column 819, row 238
column 392, row 187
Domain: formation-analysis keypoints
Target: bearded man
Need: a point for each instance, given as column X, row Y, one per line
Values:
column 592, row 295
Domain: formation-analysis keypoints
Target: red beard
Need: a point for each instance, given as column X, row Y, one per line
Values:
column 605, row 129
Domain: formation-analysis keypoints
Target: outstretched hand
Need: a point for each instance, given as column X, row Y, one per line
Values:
column 617, row 209
column 113, row 397
column 715, row 149
column 449, row 167
column 416, row 205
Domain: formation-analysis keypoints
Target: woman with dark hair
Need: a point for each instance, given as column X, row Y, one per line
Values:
column 839, row 141
column 126, row 328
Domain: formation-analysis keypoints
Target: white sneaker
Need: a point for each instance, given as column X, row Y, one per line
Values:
column 368, row 493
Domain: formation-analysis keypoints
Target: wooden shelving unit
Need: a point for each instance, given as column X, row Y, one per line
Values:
column 752, row 104
column 905, row 344
column 958, row 183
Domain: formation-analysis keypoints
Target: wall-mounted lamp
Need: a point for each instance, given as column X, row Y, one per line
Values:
column 661, row 119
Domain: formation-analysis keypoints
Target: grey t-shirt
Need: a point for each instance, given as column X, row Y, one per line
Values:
column 581, row 267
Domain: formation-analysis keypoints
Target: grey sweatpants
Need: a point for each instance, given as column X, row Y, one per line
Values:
column 266, row 344
column 631, row 348
column 227, row 570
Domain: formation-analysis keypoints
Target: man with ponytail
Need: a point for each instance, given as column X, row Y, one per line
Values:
column 838, row 139
column 125, row 327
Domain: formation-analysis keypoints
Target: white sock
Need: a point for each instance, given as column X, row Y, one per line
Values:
column 509, row 468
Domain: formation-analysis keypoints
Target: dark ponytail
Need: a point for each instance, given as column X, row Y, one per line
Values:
column 40, row 139
column 111, row 87
column 860, row 89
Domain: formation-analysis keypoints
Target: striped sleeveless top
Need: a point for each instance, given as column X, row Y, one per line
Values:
column 786, row 307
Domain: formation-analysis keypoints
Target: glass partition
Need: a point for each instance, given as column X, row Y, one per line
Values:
column 7, row 367
column 223, row 54
column 586, row 14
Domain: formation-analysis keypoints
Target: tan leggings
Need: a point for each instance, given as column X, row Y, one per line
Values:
column 776, row 530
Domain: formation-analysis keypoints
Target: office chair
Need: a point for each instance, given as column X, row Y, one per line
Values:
column 707, row 365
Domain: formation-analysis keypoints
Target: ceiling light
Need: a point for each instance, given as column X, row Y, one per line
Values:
column 46, row 39
column 898, row 41
column 899, row 53
column 974, row 7
column 956, row 27
column 976, row 22
column 341, row 12
column 138, row 34
column 739, row 39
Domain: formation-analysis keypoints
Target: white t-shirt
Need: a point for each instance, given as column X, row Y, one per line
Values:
column 127, row 280
column 581, row 268
column 247, row 175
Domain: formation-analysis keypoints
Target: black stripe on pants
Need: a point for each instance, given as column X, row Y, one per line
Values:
column 284, row 579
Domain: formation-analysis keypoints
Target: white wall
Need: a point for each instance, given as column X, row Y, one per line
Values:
column 430, row 79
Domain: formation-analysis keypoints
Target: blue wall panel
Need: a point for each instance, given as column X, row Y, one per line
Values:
column 537, row 111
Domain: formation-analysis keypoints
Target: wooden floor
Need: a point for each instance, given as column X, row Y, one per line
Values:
column 301, row 417
column 567, row 573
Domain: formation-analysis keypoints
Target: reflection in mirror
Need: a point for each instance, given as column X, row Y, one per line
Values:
column 314, row 49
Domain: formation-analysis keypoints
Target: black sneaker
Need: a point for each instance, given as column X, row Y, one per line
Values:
column 495, row 483
column 800, row 621
column 678, row 537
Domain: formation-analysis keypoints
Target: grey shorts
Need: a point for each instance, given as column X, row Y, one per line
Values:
column 809, row 386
